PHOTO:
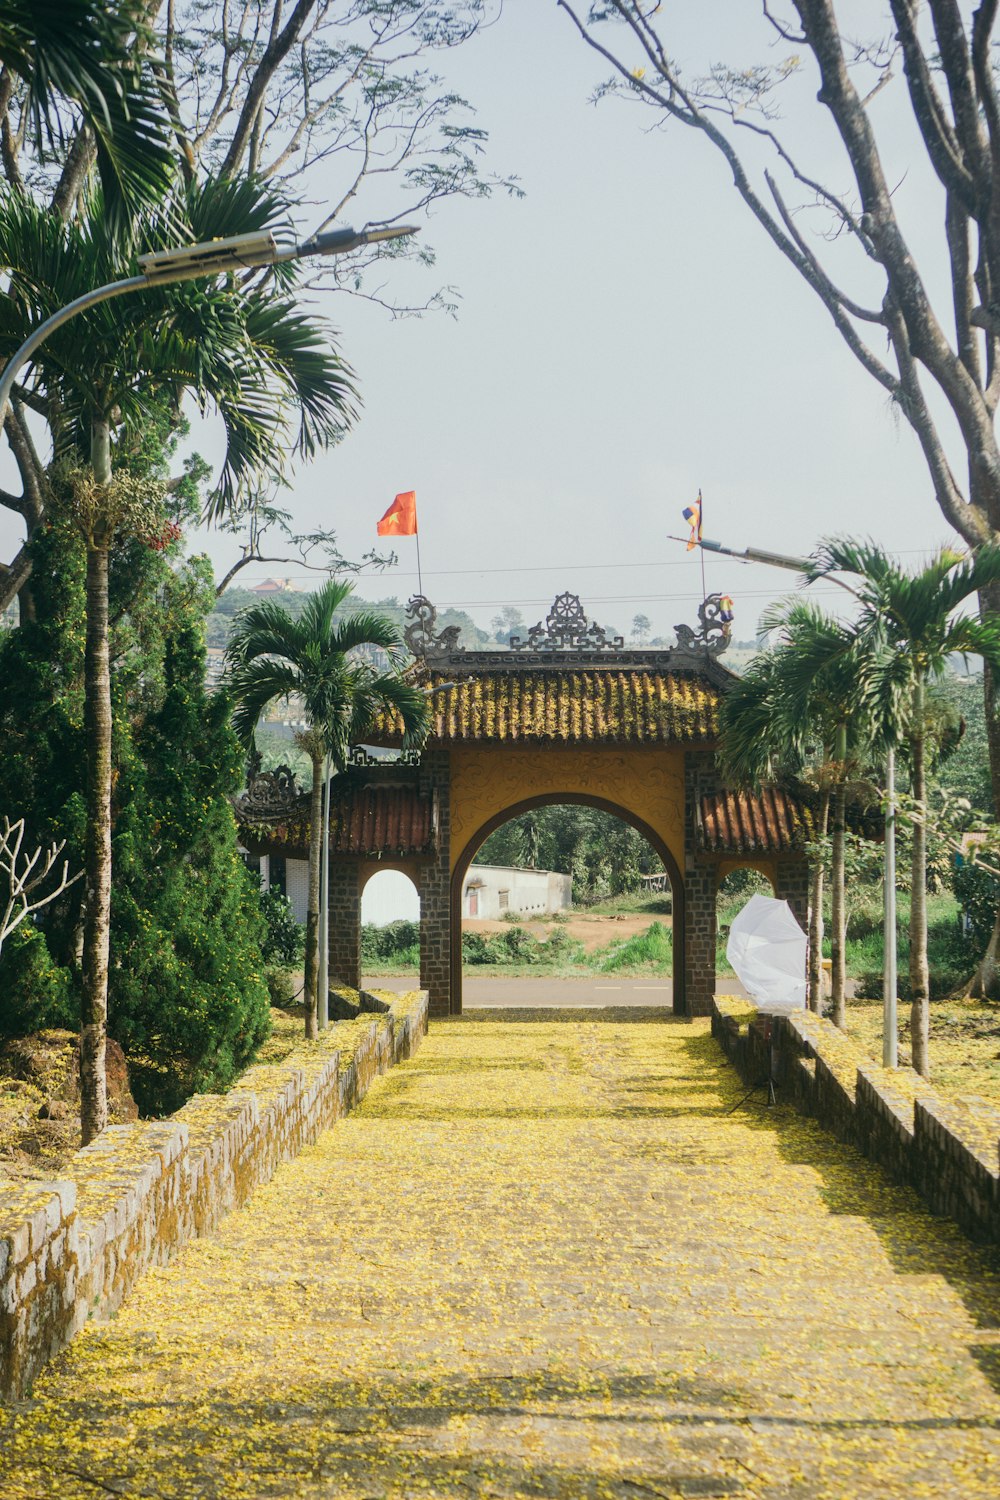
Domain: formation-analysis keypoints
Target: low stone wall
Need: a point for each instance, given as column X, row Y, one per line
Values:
column 948, row 1149
column 73, row 1249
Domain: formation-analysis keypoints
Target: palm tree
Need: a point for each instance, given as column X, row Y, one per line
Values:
column 760, row 743
column 907, row 629
column 800, row 692
column 92, row 53
column 316, row 658
column 240, row 347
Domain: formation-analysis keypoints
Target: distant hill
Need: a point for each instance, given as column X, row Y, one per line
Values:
column 220, row 621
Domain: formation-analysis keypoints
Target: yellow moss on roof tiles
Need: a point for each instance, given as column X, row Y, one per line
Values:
column 586, row 706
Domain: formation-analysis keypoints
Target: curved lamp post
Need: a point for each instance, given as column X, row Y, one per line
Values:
column 188, row 262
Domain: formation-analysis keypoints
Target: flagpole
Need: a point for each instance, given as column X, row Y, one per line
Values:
column 420, row 581
column 701, row 523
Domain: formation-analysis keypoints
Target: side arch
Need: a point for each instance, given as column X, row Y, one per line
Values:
column 563, row 799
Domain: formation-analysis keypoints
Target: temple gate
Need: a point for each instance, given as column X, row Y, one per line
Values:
column 568, row 714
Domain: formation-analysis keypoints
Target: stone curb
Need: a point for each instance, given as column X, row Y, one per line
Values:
column 73, row 1249
column 948, row 1149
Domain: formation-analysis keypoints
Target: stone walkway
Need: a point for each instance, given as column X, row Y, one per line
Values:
column 544, row 1259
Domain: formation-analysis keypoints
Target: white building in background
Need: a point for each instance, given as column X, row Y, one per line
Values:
column 390, row 896
column 494, row 890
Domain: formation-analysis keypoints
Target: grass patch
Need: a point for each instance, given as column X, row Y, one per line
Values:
column 964, row 1043
column 949, row 954
column 516, row 951
column 644, row 952
column 632, row 903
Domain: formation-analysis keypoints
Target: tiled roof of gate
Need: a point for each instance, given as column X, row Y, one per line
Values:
column 380, row 820
column 387, row 820
column 770, row 821
column 602, row 706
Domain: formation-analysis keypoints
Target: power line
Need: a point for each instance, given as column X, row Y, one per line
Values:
column 559, row 567
column 545, row 601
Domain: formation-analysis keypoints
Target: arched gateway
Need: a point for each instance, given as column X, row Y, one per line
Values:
column 566, row 715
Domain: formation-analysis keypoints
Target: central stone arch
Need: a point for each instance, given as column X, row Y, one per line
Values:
column 497, row 820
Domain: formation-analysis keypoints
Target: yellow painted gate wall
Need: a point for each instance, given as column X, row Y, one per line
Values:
column 485, row 782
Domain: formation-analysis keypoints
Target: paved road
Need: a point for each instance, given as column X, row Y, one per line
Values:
column 602, row 990
column 544, row 1260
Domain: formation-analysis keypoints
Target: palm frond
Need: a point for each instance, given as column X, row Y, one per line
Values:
column 272, row 373
column 254, row 685
column 87, row 51
column 758, row 740
column 366, row 628
column 844, row 555
column 322, row 606
column 266, row 629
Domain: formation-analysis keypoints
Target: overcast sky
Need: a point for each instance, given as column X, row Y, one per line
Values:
column 626, row 334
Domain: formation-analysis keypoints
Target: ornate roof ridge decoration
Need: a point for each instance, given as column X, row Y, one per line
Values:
column 716, row 628
column 359, row 757
column 567, row 628
column 567, row 640
column 268, row 794
column 420, row 637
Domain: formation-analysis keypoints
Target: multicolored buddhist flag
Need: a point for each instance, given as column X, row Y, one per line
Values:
column 692, row 515
column 726, row 610
column 401, row 517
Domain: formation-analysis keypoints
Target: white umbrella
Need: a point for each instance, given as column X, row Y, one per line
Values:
column 767, row 949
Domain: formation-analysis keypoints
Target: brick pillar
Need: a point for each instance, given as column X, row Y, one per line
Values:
column 344, row 946
column 435, row 889
column 791, row 884
column 700, row 891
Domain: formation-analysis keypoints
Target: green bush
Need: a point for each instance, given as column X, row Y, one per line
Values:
column 395, row 943
column 516, row 948
column 951, row 959
column 284, row 938
column 282, row 984
column 977, row 891
column 186, row 994
column 36, row 992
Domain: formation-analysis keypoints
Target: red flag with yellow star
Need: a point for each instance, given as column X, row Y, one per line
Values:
column 401, row 517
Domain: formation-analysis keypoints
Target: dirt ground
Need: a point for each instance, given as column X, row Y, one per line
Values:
column 593, row 931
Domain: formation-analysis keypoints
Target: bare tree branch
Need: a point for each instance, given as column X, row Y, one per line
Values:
column 23, row 874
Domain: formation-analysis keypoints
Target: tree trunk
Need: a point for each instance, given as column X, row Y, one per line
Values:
column 986, row 985
column 816, row 912
column 312, row 909
column 97, row 925
column 97, row 859
column 838, row 910
column 919, row 973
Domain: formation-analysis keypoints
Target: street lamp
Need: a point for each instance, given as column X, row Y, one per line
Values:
column 186, row 263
